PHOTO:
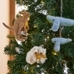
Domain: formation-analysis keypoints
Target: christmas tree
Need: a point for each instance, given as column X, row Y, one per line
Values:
column 40, row 37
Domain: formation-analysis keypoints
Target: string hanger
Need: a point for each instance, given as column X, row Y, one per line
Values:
column 61, row 14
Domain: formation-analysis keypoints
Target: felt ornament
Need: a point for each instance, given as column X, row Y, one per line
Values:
column 59, row 21
column 59, row 41
column 20, row 27
column 36, row 55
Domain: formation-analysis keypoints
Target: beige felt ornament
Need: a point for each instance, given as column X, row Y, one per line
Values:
column 20, row 26
column 36, row 55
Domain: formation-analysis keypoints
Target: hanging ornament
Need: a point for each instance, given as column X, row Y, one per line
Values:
column 20, row 25
column 36, row 55
column 59, row 21
column 58, row 41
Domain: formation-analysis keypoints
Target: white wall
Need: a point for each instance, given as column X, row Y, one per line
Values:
column 4, row 17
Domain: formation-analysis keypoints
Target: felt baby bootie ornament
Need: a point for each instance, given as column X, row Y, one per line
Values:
column 59, row 41
column 59, row 21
